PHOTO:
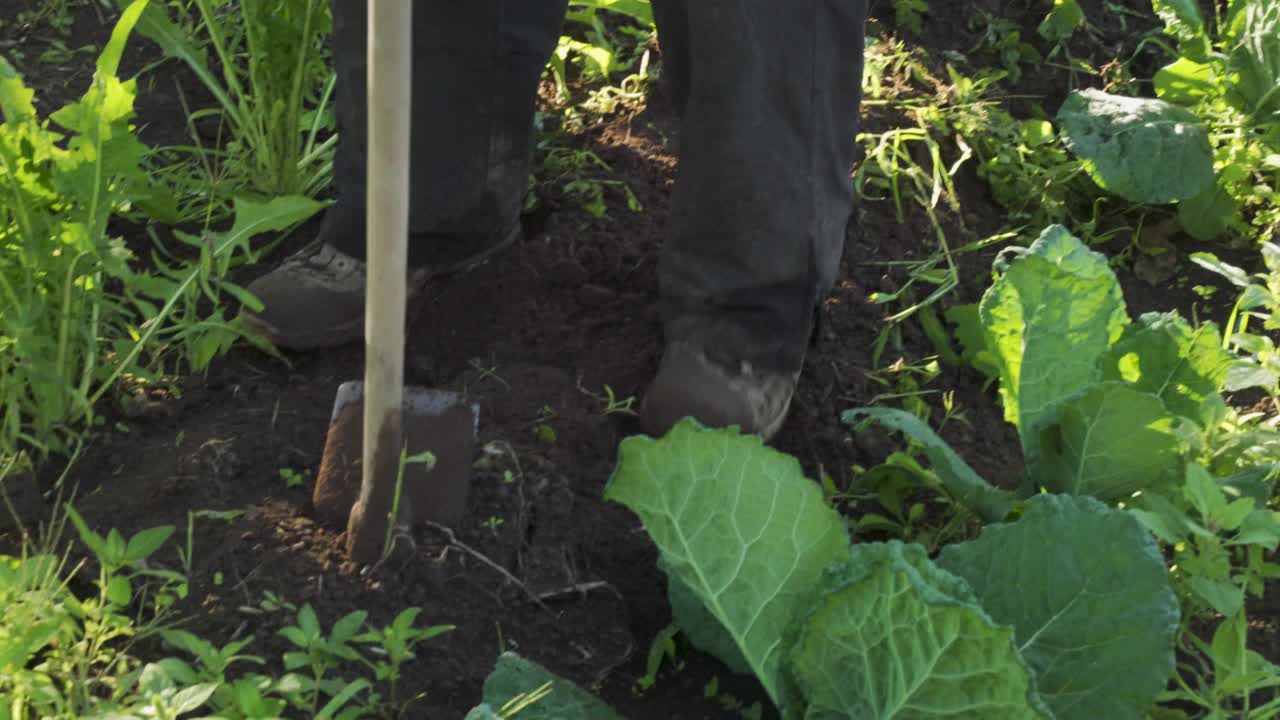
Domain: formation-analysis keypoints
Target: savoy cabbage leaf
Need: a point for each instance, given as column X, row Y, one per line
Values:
column 894, row 636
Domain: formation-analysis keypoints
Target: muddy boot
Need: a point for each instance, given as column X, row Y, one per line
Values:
column 768, row 95
column 316, row 298
column 691, row 384
column 476, row 67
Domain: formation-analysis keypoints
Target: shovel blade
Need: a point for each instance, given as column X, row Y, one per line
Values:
column 437, row 421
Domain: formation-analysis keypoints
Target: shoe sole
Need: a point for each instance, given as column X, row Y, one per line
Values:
column 352, row 331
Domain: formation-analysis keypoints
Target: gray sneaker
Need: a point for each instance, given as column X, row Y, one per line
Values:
column 315, row 298
column 689, row 384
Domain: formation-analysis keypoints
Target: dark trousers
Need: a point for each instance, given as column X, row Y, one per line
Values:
column 768, row 93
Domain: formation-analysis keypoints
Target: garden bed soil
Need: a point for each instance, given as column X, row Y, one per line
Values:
column 534, row 336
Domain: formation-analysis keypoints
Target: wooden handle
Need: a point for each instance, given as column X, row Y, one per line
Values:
column 387, row 227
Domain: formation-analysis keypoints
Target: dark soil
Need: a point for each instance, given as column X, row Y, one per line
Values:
column 534, row 336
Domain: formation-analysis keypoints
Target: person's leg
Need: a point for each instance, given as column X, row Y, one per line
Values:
column 475, row 78
column 769, row 94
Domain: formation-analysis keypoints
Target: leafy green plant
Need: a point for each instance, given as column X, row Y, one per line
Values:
column 1062, row 21
column 311, row 683
column 57, row 193
column 292, row 478
column 68, row 656
column 265, row 63
column 909, row 14
column 79, row 313
column 1104, row 406
column 1146, row 150
column 1001, row 37
column 1259, row 300
column 395, row 646
column 602, row 49
column 65, row 656
column 1129, row 412
column 1211, row 141
column 763, row 576
column 1224, row 673
column 1220, row 538
column 521, row 688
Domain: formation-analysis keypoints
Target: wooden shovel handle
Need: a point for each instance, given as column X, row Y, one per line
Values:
column 387, row 230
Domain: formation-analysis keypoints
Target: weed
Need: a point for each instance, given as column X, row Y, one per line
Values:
column 69, row 656
column 80, row 316
column 609, row 401
column 292, row 478
column 909, row 14
column 272, row 85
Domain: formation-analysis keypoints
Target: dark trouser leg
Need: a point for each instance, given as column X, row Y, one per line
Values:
column 475, row 78
column 769, row 93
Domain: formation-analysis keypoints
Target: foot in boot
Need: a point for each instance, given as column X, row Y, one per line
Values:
column 315, row 299
column 690, row 384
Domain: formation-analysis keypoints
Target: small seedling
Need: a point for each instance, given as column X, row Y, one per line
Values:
column 661, row 651
column 542, row 426
column 292, row 478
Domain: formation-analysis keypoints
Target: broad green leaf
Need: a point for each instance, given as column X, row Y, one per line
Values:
column 1049, row 319
column 155, row 25
column 973, row 341
column 1223, row 596
column 1255, row 60
column 699, row 626
column 1253, row 482
column 896, row 637
column 109, row 59
column 192, row 697
column 309, row 623
column 1204, row 493
column 1259, row 527
column 15, row 96
column 95, row 542
column 1232, row 274
column 1087, row 592
column 483, row 712
column 740, row 525
column 1062, row 21
column 1161, row 354
column 1185, row 82
column 1109, row 442
column 965, row 485
column 1209, row 214
column 342, row 697
column 145, row 543
column 1182, row 21
column 347, row 626
column 1162, row 526
column 119, row 590
column 1235, row 666
column 515, row 676
column 1145, row 150
column 1245, row 375
column 252, row 218
column 1232, row 516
